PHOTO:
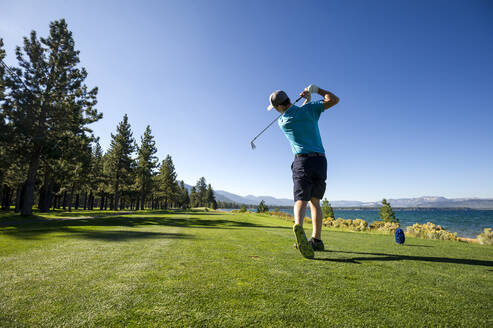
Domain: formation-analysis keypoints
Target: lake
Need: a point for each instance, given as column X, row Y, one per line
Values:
column 467, row 223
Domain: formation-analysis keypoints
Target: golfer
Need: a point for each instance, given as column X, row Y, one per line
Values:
column 300, row 125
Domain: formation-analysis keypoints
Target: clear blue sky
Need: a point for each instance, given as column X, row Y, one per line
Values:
column 415, row 79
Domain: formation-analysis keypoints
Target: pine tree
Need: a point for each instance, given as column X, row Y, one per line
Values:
column 96, row 178
column 184, row 197
column 386, row 213
column 120, row 158
column 211, row 199
column 52, row 105
column 201, row 188
column 146, row 164
column 2, row 73
column 193, row 197
column 262, row 208
column 167, row 179
column 327, row 210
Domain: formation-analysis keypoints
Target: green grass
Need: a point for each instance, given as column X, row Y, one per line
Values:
column 167, row 269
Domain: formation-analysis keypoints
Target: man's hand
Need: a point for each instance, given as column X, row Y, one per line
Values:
column 307, row 95
column 312, row 88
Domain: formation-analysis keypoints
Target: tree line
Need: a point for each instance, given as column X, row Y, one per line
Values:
column 49, row 156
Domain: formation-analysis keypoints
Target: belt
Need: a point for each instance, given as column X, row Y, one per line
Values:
column 310, row 155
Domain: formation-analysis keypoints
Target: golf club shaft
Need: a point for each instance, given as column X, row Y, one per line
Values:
column 258, row 135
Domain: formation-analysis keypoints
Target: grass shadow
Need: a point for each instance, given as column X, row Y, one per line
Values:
column 394, row 257
column 30, row 226
column 106, row 235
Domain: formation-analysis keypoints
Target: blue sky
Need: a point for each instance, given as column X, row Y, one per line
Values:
column 415, row 79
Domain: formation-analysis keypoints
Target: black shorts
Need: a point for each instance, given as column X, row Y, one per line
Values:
column 309, row 175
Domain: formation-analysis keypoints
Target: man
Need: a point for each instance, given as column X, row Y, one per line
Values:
column 309, row 168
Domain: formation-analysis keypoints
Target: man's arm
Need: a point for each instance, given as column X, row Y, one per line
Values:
column 330, row 99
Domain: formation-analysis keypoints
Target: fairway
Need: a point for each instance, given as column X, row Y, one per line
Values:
column 210, row 269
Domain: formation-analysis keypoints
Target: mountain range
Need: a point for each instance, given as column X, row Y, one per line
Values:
column 421, row 202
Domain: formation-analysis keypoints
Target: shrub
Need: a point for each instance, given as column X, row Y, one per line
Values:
column 287, row 216
column 486, row 237
column 431, row 231
column 283, row 215
column 243, row 209
column 382, row 226
column 340, row 223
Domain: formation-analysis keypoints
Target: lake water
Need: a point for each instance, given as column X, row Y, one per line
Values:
column 467, row 223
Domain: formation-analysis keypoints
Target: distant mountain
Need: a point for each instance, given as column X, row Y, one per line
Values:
column 424, row 202
column 225, row 196
column 251, row 199
column 421, row 202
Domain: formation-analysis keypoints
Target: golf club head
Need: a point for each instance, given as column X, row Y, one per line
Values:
column 252, row 145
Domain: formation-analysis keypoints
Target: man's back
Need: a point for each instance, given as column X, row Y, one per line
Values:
column 300, row 125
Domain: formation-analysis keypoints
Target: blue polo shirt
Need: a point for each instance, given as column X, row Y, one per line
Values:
column 300, row 125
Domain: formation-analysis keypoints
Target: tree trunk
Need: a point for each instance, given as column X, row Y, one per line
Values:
column 137, row 204
column 91, row 201
column 71, row 198
column 101, row 204
column 7, row 198
column 18, row 195
column 28, row 192
column 115, row 203
column 64, row 204
column 77, row 201
column 112, row 203
column 142, row 198
column 85, row 200
column 46, row 194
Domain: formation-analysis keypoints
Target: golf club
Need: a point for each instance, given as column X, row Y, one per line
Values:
column 258, row 135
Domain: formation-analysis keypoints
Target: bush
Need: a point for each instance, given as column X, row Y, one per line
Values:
column 486, row 237
column 283, row 215
column 243, row 209
column 352, row 225
column 382, row 226
column 287, row 216
column 431, row 231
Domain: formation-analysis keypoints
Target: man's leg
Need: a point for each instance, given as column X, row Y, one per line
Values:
column 299, row 211
column 316, row 217
column 301, row 242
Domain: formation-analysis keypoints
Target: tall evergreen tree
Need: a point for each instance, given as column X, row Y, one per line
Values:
column 184, row 201
column 96, row 178
column 52, row 104
column 201, row 188
column 262, row 208
column 386, row 213
column 167, row 179
column 327, row 210
column 194, row 199
column 120, row 162
column 4, row 135
column 146, row 164
column 209, row 196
